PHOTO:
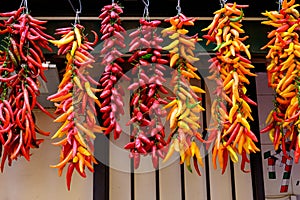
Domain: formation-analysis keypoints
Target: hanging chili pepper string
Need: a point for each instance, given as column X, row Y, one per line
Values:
column 282, row 122
column 185, row 107
column 231, row 106
column 111, row 96
column 76, row 102
column 23, row 39
column 148, row 135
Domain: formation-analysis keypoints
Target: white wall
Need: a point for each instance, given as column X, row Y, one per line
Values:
column 35, row 180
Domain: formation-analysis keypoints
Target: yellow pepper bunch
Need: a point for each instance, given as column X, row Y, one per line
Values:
column 230, row 131
column 75, row 103
column 283, row 121
column 185, row 108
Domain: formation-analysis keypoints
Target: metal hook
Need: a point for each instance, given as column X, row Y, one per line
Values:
column 279, row 5
column 77, row 17
column 77, row 12
column 24, row 3
column 222, row 3
column 178, row 8
column 146, row 9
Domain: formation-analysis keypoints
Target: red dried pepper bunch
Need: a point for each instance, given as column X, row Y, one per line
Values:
column 111, row 93
column 148, row 132
column 75, row 103
column 20, row 67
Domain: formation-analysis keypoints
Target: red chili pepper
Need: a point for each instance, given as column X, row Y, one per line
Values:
column 11, row 78
column 4, row 156
column 160, row 139
column 292, row 118
column 144, row 108
column 69, row 174
column 44, row 110
column 143, row 149
column 267, row 128
column 276, row 135
column 244, row 160
column 134, row 100
column 32, row 84
column 233, row 134
column 251, row 135
column 283, row 147
column 26, row 99
column 163, row 89
column 145, row 122
column 161, row 153
column 248, row 100
column 162, row 61
column 136, row 160
column 225, row 160
column 130, row 145
column 275, row 117
column 209, row 37
column 105, row 109
column 154, row 157
column 6, row 129
column 195, row 162
column 144, row 139
column 82, row 174
column 9, row 108
column 105, row 94
column 242, row 58
column 283, row 28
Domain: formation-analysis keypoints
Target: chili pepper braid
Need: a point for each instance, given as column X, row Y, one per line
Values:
column 230, row 132
column 75, row 103
column 185, row 108
column 20, row 67
column 148, row 135
column 282, row 123
column 111, row 94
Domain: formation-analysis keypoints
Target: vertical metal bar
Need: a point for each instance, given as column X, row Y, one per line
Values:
column 256, row 158
column 157, row 184
column 132, row 182
column 231, row 165
column 204, row 124
column 132, row 190
column 207, row 178
column 101, row 174
column 182, row 182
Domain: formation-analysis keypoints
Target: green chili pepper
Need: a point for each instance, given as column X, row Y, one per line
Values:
column 147, row 56
column 235, row 19
column 218, row 47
